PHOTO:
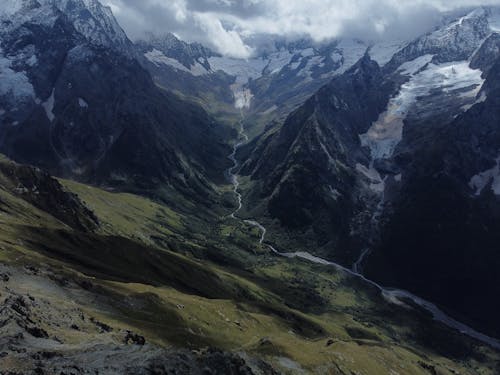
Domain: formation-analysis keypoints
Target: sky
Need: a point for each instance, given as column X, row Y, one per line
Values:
column 232, row 27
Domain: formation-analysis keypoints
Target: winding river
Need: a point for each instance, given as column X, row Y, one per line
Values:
column 395, row 296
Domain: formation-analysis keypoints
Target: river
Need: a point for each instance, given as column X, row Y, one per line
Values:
column 392, row 295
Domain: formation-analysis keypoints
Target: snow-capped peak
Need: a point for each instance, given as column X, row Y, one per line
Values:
column 454, row 41
column 89, row 17
column 10, row 7
column 100, row 28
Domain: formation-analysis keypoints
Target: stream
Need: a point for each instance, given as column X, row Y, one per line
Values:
column 392, row 295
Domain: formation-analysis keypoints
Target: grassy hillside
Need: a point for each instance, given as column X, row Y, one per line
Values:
column 185, row 282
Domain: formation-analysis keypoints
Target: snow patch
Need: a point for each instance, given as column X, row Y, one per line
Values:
column 157, row 57
column 48, row 105
column 352, row 51
column 314, row 61
column 481, row 99
column 334, row 193
column 383, row 52
column 32, row 61
column 243, row 70
column 386, row 133
column 494, row 19
column 13, row 84
column 10, row 7
column 377, row 183
column 278, row 60
column 336, row 57
column 82, row 103
column 242, row 98
column 413, row 66
column 308, row 52
column 483, row 179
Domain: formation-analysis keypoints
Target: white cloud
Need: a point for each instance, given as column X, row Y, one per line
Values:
column 226, row 25
column 228, row 42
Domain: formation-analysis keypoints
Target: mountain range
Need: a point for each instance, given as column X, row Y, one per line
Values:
column 168, row 208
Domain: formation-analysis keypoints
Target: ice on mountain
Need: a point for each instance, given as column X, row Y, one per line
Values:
column 82, row 103
column 158, row 58
column 243, row 70
column 459, row 38
column 17, row 15
column 336, row 57
column 312, row 62
column 383, row 52
column 48, row 106
column 352, row 51
column 494, row 19
column 456, row 77
column 242, row 97
column 412, row 67
column 483, row 179
column 9, row 7
column 80, row 54
column 278, row 60
column 377, row 183
column 14, row 85
column 297, row 61
column 308, row 52
column 198, row 70
column 101, row 28
column 32, row 61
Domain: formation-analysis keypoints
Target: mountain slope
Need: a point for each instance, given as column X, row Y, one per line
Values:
column 268, row 85
column 381, row 166
column 128, row 295
column 308, row 169
column 448, row 207
column 88, row 111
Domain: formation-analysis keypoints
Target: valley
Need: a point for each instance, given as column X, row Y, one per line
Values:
column 392, row 295
column 304, row 205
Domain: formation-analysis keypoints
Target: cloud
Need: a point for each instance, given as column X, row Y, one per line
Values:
column 229, row 25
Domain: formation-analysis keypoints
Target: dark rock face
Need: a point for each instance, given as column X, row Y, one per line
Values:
column 308, row 167
column 433, row 227
column 455, row 42
column 47, row 194
column 439, row 226
column 486, row 56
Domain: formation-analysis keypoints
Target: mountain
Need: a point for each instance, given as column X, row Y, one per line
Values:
column 307, row 169
column 185, row 69
column 139, row 290
column 268, row 85
column 129, row 244
column 77, row 103
column 393, row 169
column 447, row 207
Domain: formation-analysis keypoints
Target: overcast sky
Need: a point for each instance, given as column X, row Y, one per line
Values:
column 228, row 25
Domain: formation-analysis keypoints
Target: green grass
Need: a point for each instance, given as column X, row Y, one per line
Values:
column 199, row 283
